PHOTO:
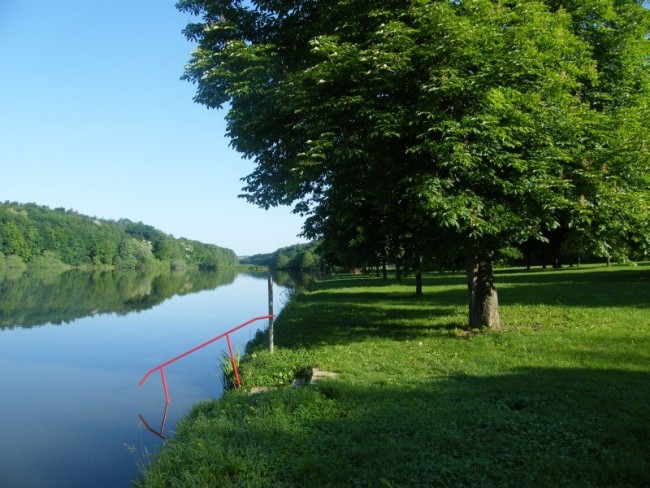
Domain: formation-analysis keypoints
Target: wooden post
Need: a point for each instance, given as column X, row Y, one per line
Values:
column 270, row 312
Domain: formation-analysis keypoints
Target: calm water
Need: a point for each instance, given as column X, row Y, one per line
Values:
column 73, row 348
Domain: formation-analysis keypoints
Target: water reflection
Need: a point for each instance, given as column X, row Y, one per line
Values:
column 161, row 432
column 293, row 280
column 29, row 299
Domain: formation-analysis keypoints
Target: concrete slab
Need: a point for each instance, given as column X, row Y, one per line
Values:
column 319, row 374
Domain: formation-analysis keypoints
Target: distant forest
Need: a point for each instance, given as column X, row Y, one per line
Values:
column 299, row 257
column 42, row 237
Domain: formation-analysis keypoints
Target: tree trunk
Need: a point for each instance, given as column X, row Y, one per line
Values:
column 482, row 294
column 418, row 284
column 418, row 277
column 383, row 269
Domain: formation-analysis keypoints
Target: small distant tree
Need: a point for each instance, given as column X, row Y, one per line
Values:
column 134, row 253
column 308, row 261
column 281, row 260
column 14, row 242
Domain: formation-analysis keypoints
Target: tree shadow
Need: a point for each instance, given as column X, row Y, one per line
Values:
column 340, row 318
column 611, row 287
column 612, row 274
column 532, row 427
column 353, row 309
column 622, row 288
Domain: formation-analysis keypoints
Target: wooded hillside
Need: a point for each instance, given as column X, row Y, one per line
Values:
column 43, row 237
column 297, row 257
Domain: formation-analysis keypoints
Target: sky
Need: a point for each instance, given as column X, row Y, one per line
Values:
column 94, row 118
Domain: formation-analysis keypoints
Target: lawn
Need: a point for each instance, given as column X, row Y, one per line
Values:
column 560, row 397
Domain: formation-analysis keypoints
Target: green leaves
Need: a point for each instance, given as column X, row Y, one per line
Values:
column 352, row 109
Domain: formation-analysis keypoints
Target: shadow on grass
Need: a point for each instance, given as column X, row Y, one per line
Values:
column 578, row 287
column 534, row 427
column 335, row 318
column 617, row 288
column 353, row 309
column 589, row 274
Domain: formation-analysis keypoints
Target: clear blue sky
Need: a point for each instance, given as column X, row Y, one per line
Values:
column 93, row 117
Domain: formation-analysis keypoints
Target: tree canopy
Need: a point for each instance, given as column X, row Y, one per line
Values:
column 423, row 125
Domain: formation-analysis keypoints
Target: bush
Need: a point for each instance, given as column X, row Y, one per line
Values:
column 49, row 259
column 13, row 262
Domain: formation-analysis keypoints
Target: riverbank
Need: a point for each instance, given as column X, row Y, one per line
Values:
column 560, row 397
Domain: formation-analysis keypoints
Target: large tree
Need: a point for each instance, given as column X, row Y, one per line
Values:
column 485, row 122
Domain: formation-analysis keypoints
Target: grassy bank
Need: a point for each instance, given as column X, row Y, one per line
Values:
column 561, row 397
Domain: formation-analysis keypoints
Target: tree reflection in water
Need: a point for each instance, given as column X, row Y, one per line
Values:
column 29, row 299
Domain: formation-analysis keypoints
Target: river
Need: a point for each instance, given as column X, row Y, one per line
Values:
column 73, row 347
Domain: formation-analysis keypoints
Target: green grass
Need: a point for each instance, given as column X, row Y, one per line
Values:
column 561, row 397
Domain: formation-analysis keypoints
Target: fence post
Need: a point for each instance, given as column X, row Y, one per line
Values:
column 270, row 312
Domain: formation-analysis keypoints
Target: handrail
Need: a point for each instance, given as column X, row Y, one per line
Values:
column 226, row 334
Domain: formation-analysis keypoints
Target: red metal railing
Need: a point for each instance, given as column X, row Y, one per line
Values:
column 226, row 334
